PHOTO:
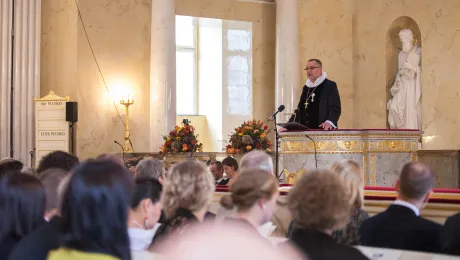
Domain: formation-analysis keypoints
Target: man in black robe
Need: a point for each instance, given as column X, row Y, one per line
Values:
column 319, row 106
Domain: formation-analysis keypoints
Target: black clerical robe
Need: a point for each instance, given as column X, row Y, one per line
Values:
column 323, row 105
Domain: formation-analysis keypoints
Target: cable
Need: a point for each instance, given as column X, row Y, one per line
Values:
column 314, row 146
column 97, row 63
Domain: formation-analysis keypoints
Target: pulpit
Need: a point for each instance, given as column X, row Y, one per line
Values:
column 381, row 153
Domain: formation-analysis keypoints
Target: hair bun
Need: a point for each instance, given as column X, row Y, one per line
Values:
column 227, row 202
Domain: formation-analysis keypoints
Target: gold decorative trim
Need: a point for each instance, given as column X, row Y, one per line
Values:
column 52, row 97
column 414, row 157
column 349, row 146
column 372, row 170
column 415, row 135
column 365, row 169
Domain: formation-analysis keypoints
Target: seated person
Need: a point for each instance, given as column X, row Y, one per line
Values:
column 351, row 173
column 22, row 207
column 451, row 235
column 319, row 206
column 218, row 172
column 58, row 160
column 400, row 226
column 257, row 160
column 94, row 213
column 254, row 195
column 153, row 168
column 187, row 195
column 144, row 213
column 46, row 238
column 9, row 164
column 230, row 166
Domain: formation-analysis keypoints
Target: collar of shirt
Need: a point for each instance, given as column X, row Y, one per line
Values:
column 221, row 179
column 407, row 205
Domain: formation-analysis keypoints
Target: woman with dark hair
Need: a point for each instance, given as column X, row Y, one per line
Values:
column 144, row 213
column 230, row 166
column 22, row 207
column 95, row 213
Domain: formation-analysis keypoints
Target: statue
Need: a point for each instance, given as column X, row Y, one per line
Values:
column 405, row 108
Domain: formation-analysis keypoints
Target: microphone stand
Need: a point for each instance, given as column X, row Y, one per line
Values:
column 276, row 149
column 122, row 152
column 32, row 158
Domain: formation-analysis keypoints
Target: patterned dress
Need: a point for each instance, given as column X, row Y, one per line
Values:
column 350, row 234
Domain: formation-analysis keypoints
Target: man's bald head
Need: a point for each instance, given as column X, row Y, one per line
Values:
column 416, row 181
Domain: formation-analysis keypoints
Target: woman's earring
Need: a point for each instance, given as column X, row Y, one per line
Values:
column 146, row 222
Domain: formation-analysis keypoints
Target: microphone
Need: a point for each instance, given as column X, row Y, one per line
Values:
column 122, row 152
column 280, row 109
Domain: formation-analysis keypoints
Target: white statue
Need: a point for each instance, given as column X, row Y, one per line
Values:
column 405, row 108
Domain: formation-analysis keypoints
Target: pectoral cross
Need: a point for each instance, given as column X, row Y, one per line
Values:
column 306, row 104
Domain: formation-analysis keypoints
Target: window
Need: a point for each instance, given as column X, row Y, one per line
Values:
column 186, row 66
column 238, row 54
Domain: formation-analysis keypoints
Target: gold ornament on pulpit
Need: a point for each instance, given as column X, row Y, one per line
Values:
column 293, row 177
column 127, row 100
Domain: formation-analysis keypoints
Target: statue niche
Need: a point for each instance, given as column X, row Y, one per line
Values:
column 404, row 77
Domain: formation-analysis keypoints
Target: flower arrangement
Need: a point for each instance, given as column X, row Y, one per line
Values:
column 251, row 135
column 181, row 139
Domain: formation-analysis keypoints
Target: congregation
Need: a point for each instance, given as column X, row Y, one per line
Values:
column 100, row 209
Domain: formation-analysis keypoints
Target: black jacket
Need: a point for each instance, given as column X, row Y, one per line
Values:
column 329, row 105
column 399, row 228
column 37, row 245
column 320, row 246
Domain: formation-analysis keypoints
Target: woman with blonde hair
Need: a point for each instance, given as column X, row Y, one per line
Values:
column 187, row 194
column 253, row 194
column 351, row 174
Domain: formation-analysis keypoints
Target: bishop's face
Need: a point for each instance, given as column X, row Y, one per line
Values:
column 314, row 71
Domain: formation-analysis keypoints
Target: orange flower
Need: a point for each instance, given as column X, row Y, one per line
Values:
column 231, row 150
column 248, row 147
column 237, row 150
column 263, row 135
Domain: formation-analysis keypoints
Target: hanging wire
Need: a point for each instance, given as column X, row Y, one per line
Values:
column 97, row 63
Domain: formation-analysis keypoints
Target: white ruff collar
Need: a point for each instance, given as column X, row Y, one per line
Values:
column 318, row 81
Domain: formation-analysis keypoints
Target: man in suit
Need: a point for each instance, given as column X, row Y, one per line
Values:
column 217, row 171
column 319, row 106
column 400, row 226
column 451, row 235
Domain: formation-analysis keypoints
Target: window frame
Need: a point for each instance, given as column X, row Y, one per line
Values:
column 195, row 50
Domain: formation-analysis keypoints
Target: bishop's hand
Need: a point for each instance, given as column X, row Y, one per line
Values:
column 326, row 126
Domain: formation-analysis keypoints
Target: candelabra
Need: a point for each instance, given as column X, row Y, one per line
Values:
column 127, row 146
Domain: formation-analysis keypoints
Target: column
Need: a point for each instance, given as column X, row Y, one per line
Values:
column 6, row 9
column 162, row 72
column 288, row 86
column 26, row 75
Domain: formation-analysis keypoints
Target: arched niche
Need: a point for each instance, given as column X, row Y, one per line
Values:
column 393, row 47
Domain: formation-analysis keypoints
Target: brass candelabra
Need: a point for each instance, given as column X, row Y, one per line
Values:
column 127, row 146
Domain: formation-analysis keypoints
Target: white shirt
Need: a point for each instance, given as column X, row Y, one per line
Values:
column 407, row 205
